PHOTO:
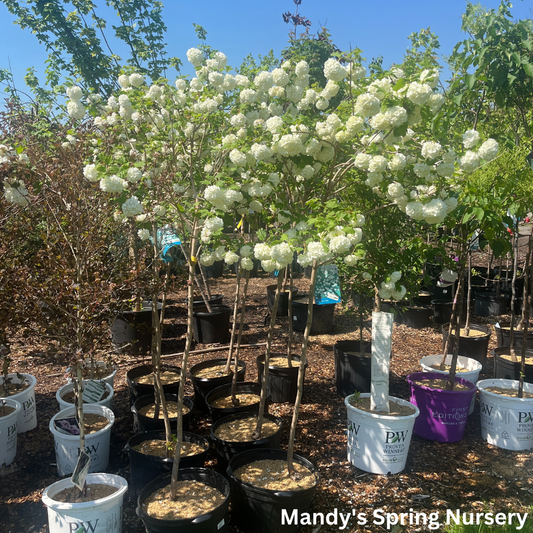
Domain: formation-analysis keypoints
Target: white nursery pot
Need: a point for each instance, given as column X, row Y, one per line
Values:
column 8, row 433
column 473, row 368
column 98, row 516
column 27, row 419
column 506, row 422
column 96, row 444
column 65, row 389
column 379, row 443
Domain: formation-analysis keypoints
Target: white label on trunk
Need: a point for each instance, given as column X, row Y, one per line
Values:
column 93, row 391
column 381, row 348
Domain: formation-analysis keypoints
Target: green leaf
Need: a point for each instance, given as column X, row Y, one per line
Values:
column 470, row 80
column 400, row 131
column 516, row 58
column 478, row 212
column 528, row 69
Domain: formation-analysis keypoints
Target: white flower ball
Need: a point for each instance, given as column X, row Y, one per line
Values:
column 431, row 150
column 76, row 110
column 469, row 162
column 333, row 70
column 488, row 150
column 132, row 207
column 470, row 138
column 90, row 172
column 207, row 259
column 143, row 234
column 74, row 93
column 415, row 210
column 113, row 184
column 247, row 263
column 195, row 56
column 262, row 251
column 136, row 79
column 237, row 158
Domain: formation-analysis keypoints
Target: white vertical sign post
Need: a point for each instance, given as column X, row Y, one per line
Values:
column 381, row 348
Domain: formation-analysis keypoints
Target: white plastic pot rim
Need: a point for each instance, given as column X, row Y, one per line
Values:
column 105, row 479
column 87, row 408
column 510, row 384
column 382, row 416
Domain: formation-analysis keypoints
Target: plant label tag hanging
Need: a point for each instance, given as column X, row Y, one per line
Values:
column 67, row 426
column 381, row 347
column 93, row 391
column 327, row 288
column 81, row 470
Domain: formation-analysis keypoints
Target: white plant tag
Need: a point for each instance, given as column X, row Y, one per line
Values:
column 381, row 348
column 81, row 470
column 93, row 391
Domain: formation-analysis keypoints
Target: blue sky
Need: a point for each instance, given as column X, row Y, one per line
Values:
column 238, row 27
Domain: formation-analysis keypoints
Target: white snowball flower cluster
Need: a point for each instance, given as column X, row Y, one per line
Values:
column 113, row 184
column 143, row 234
column 431, row 150
column 195, row 56
column 207, row 258
column 282, row 254
column 290, row 145
column 333, row 70
column 367, row 105
column 470, row 161
column 419, row 93
column 230, row 258
column 435, row 211
column 211, row 226
column 388, row 289
column 488, row 150
column 262, row 251
column 132, row 207
column 237, row 158
column 90, row 172
column 470, row 138
column 15, row 192
column 394, row 116
column 75, row 108
column 133, row 175
column 247, row 263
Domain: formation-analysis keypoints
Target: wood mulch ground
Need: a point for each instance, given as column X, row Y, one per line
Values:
column 469, row 475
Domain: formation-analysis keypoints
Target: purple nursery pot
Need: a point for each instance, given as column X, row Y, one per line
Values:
column 443, row 414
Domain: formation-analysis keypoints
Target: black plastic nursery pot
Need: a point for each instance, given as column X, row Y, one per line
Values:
column 283, row 304
column 212, row 327
column 352, row 369
column 144, row 468
column 473, row 346
column 489, row 304
column 198, row 302
column 136, row 389
column 503, row 336
column 242, row 387
column 226, row 450
column 145, row 423
column 424, row 298
column 131, row 331
column 413, row 317
column 506, row 368
column 257, row 510
column 215, row 521
column 203, row 386
column 212, row 271
column 282, row 381
column 322, row 316
column 442, row 310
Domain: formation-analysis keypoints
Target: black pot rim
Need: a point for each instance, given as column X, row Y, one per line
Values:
column 260, row 359
column 215, row 310
column 477, row 327
column 183, row 473
column 169, row 397
column 254, row 455
column 156, row 434
column 150, row 369
column 214, row 362
column 238, row 416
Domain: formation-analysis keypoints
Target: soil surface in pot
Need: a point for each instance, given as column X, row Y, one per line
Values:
column 13, row 388
column 93, row 422
column 158, row 448
column 193, row 499
column 512, row 393
column 241, row 430
column 70, row 396
column 6, row 410
column 217, row 371
column 440, row 384
column 94, row 491
column 281, row 362
column 243, row 400
column 167, row 378
column 517, row 357
column 396, row 409
column 273, row 475
column 472, row 333
column 172, row 407
column 447, row 367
